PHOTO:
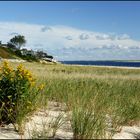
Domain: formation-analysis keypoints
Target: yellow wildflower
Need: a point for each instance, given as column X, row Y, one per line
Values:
column 5, row 63
column 32, row 84
column 41, row 86
column 20, row 67
column 11, row 79
column 6, row 68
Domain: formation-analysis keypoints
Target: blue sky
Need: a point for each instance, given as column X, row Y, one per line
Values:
column 93, row 23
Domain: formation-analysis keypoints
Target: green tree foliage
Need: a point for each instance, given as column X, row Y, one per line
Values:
column 18, row 41
column 11, row 46
column 41, row 54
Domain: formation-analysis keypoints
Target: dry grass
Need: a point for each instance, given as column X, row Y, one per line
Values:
column 92, row 92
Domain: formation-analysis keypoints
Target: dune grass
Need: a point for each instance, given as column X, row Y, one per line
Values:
column 93, row 95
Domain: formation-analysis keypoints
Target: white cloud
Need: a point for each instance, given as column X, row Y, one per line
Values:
column 123, row 37
column 70, row 43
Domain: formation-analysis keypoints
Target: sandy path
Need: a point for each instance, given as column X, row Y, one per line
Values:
column 54, row 121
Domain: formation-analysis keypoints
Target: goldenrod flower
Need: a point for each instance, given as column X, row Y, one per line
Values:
column 20, row 67
column 41, row 86
column 5, row 63
column 32, row 84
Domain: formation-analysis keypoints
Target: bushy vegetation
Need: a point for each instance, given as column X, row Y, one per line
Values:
column 7, row 53
column 13, row 50
column 18, row 94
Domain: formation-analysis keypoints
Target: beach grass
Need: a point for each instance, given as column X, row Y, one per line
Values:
column 98, row 98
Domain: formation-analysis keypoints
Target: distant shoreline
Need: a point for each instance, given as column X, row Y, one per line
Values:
column 117, row 63
column 103, row 66
column 85, row 65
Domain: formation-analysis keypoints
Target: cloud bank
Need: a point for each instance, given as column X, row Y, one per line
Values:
column 67, row 43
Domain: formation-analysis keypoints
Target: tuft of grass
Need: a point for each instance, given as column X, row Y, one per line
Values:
column 48, row 131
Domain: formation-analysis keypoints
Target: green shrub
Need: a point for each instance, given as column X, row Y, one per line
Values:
column 17, row 94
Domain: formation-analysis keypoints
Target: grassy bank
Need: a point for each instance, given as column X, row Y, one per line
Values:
column 93, row 95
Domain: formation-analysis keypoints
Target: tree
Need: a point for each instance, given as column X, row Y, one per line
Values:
column 18, row 41
column 49, row 56
column 11, row 46
column 41, row 54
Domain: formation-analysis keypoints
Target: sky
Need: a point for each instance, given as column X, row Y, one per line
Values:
column 71, row 30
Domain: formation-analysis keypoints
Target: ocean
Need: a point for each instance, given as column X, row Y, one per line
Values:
column 104, row 63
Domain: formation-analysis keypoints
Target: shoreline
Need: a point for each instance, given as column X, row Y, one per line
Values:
column 59, row 62
column 121, row 67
